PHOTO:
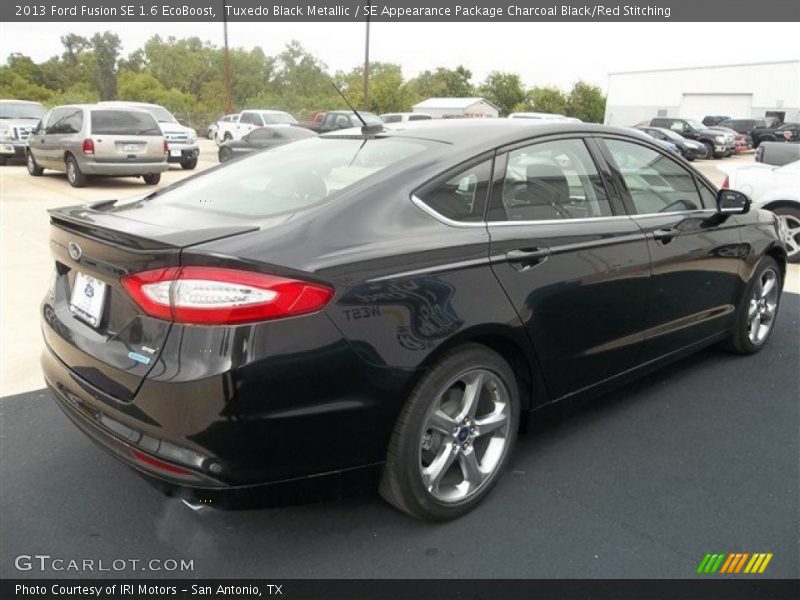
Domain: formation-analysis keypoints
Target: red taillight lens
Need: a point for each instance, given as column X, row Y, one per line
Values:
column 217, row 296
column 725, row 184
column 166, row 146
column 88, row 146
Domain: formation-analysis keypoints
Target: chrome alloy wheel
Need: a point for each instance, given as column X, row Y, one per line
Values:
column 71, row 171
column 791, row 234
column 465, row 435
column 763, row 306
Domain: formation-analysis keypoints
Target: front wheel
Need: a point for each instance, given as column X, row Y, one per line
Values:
column 74, row 175
column 454, row 436
column 33, row 168
column 758, row 310
column 790, row 217
column 152, row 178
column 709, row 150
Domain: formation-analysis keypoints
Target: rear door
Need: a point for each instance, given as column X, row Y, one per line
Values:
column 572, row 263
column 126, row 136
column 696, row 259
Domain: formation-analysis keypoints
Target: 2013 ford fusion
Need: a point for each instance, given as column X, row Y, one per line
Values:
column 393, row 298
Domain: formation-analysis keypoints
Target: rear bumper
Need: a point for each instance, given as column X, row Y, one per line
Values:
column 187, row 152
column 113, row 169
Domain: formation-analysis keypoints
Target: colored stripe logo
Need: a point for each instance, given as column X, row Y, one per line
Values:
column 734, row 563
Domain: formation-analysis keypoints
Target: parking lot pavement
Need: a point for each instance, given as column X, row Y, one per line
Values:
column 26, row 265
column 700, row 457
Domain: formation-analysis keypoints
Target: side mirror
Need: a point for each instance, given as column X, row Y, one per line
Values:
column 733, row 202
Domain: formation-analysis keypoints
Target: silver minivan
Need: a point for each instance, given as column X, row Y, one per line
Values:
column 89, row 139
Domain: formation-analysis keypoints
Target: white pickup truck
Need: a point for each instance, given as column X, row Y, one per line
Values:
column 249, row 120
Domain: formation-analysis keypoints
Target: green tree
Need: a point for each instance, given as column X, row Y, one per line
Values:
column 443, row 83
column 586, row 102
column 547, row 99
column 14, row 85
column 387, row 90
column 504, row 90
column 105, row 51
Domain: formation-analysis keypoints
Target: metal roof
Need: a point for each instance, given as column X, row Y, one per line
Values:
column 458, row 103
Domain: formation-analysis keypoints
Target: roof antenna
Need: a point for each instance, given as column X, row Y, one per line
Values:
column 365, row 129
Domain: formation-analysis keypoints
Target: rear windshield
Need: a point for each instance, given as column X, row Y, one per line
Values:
column 124, row 122
column 290, row 177
column 21, row 110
column 279, row 119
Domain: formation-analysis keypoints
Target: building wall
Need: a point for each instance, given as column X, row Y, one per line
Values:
column 480, row 109
column 638, row 96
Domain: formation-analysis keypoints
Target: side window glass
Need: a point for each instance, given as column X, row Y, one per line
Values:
column 463, row 196
column 656, row 183
column 73, row 121
column 550, row 181
column 676, row 126
column 708, row 198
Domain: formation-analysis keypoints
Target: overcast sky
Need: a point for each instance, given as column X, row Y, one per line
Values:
column 542, row 53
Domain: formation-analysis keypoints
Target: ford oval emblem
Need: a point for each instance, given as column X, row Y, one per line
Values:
column 75, row 251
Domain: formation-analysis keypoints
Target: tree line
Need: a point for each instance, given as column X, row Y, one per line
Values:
column 186, row 76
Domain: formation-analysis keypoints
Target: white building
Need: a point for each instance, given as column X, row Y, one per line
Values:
column 443, row 108
column 739, row 91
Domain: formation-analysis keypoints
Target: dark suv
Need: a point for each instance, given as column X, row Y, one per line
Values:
column 718, row 144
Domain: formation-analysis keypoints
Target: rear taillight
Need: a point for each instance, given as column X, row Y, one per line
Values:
column 88, row 146
column 725, row 184
column 218, row 296
column 166, row 146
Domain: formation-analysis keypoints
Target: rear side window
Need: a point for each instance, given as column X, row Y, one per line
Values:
column 124, row 122
column 279, row 119
column 290, row 177
column 419, row 117
column 549, row 181
column 463, row 196
column 657, row 184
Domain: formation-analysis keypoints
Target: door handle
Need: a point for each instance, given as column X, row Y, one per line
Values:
column 665, row 236
column 527, row 257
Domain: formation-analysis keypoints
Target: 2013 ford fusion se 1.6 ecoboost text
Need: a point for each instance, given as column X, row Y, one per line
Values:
column 398, row 299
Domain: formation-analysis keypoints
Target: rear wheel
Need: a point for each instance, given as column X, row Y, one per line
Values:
column 33, row 168
column 758, row 310
column 227, row 136
column 791, row 222
column 189, row 164
column 152, row 178
column 225, row 155
column 454, row 435
column 74, row 175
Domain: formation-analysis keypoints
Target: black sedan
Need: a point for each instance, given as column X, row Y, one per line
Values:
column 261, row 139
column 393, row 299
column 689, row 149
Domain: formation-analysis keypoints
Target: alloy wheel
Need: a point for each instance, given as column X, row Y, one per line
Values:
column 71, row 171
column 791, row 225
column 763, row 307
column 465, row 436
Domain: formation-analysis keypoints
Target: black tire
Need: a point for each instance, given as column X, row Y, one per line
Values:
column 740, row 341
column 402, row 481
column 33, row 168
column 227, row 136
column 189, row 164
column 791, row 217
column 152, row 178
column 225, row 155
column 74, row 175
column 3, row 160
column 709, row 150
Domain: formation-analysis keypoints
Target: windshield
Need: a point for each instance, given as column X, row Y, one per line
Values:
column 161, row 114
column 21, row 110
column 695, row 124
column 290, row 177
column 671, row 134
column 279, row 119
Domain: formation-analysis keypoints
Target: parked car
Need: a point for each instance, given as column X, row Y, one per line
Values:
column 344, row 119
column 742, row 143
column 96, row 139
column 689, row 149
column 744, row 126
column 774, row 134
column 211, row 132
column 543, row 116
column 777, row 153
column 182, row 140
column 773, row 188
column 247, row 120
column 261, row 139
column 401, row 300
column 402, row 117
column 712, row 120
column 17, row 119
column 717, row 144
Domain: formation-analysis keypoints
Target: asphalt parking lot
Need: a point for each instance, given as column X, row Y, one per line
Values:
column 701, row 457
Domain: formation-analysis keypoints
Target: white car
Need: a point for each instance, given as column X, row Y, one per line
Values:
column 247, row 120
column 402, row 117
column 543, row 117
column 776, row 189
column 211, row 132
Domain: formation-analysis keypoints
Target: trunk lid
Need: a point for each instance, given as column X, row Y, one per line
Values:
column 93, row 247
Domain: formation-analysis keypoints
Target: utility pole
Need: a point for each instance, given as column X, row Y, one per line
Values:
column 228, row 95
column 366, row 64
